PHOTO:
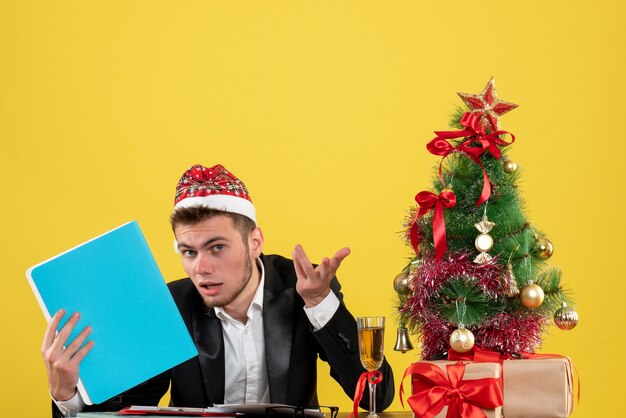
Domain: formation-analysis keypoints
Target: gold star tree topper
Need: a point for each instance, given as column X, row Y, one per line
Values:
column 487, row 107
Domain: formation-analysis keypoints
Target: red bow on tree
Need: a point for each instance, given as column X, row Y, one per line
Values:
column 476, row 136
column 427, row 201
column 433, row 389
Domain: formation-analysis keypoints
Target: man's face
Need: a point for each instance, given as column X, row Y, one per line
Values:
column 218, row 261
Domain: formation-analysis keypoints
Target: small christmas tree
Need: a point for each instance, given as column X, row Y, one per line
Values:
column 479, row 273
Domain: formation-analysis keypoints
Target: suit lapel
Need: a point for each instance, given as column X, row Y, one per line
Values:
column 207, row 334
column 277, row 305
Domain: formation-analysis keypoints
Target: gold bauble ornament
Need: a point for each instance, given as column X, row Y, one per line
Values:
column 531, row 295
column 543, row 248
column 401, row 283
column 509, row 166
column 565, row 318
column 462, row 340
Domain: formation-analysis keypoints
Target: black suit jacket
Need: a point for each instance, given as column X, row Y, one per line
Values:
column 291, row 350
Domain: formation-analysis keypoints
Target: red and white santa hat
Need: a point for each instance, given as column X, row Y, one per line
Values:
column 215, row 188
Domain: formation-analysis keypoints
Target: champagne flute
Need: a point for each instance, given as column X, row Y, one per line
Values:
column 371, row 341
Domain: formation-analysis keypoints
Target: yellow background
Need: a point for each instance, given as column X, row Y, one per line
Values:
column 324, row 109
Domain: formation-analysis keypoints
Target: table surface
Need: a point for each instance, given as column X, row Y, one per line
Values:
column 386, row 414
column 362, row 414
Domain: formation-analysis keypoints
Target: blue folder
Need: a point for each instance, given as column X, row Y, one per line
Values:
column 115, row 284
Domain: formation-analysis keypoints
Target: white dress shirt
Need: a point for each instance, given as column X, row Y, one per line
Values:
column 244, row 351
column 245, row 379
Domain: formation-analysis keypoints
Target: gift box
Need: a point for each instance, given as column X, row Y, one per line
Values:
column 541, row 387
column 466, row 386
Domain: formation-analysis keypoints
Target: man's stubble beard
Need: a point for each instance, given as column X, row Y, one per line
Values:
column 247, row 275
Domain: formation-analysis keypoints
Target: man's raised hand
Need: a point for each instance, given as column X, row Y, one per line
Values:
column 314, row 282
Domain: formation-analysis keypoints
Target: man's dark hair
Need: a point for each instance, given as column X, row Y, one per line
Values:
column 195, row 214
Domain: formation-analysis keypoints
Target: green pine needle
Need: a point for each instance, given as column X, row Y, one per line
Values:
column 455, row 118
column 462, row 302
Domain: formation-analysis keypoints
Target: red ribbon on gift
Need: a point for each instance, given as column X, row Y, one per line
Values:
column 476, row 135
column 478, row 355
column 433, row 389
column 428, row 201
column 374, row 377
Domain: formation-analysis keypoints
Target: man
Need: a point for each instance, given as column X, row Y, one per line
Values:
column 259, row 322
